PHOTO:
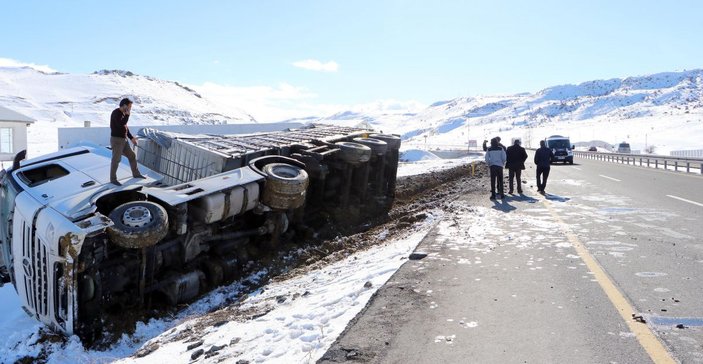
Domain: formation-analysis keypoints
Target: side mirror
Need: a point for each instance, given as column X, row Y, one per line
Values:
column 573, row 147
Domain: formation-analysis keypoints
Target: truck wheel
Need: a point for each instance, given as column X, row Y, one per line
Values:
column 393, row 141
column 138, row 224
column 285, row 186
column 353, row 152
column 377, row 146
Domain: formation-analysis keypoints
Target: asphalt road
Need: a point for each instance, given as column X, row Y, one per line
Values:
column 550, row 279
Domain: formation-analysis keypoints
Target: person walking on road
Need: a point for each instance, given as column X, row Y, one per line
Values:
column 119, row 133
column 495, row 158
column 543, row 160
column 515, row 163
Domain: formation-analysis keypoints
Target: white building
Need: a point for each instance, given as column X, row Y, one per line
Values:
column 13, row 133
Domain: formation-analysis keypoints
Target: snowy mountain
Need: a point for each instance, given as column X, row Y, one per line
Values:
column 56, row 100
column 663, row 110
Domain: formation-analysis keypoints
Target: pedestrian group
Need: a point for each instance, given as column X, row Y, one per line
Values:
column 513, row 158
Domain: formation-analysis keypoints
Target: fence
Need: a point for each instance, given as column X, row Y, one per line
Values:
column 694, row 153
column 677, row 164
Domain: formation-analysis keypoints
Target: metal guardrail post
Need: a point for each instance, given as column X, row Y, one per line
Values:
column 647, row 162
column 640, row 161
column 656, row 163
column 665, row 165
column 701, row 168
column 676, row 166
column 688, row 167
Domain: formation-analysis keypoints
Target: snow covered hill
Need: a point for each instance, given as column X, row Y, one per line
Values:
column 663, row 110
column 66, row 100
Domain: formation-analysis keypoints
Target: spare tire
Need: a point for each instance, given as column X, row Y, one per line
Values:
column 138, row 224
column 377, row 146
column 393, row 141
column 353, row 152
column 285, row 186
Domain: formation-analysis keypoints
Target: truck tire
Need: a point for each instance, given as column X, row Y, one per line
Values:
column 353, row 152
column 138, row 224
column 393, row 141
column 377, row 146
column 285, row 186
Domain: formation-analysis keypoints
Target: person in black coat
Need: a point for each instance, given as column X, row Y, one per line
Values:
column 516, row 157
column 543, row 160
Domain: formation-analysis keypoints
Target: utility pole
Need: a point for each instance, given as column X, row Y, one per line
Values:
column 468, row 137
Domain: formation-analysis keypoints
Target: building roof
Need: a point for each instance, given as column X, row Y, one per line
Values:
column 11, row 115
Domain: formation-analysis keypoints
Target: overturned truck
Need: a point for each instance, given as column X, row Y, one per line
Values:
column 81, row 252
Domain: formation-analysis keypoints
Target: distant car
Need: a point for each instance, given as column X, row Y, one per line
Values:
column 592, row 149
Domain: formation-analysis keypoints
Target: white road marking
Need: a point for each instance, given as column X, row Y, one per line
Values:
column 576, row 168
column 685, row 200
column 610, row 178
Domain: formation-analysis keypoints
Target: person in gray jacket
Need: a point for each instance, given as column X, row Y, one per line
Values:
column 495, row 159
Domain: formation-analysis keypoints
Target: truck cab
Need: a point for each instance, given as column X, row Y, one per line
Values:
column 561, row 148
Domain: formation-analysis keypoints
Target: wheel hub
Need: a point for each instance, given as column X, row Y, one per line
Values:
column 136, row 216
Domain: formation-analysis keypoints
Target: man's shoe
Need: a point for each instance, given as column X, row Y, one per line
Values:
column 493, row 196
column 502, row 196
column 116, row 183
column 519, row 192
column 511, row 192
column 139, row 176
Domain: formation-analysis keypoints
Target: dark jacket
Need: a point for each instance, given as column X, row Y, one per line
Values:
column 516, row 157
column 543, row 157
column 118, row 124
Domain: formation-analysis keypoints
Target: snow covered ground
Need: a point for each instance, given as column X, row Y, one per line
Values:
column 424, row 166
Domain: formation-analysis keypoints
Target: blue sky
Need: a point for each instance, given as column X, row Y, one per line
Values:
column 403, row 50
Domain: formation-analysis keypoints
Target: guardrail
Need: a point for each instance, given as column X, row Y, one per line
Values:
column 678, row 164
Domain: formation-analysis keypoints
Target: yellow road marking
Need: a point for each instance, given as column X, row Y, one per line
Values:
column 644, row 333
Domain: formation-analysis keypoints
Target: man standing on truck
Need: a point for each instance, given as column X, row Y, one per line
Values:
column 543, row 160
column 516, row 157
column 119, row 133
column 495, row 158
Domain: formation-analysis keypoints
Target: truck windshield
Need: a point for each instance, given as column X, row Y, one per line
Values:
column 559, row 143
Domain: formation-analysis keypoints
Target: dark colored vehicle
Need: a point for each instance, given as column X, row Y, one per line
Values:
column 561, row 148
